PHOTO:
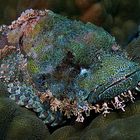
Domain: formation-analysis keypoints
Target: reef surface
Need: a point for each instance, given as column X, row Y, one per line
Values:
column 21, row 124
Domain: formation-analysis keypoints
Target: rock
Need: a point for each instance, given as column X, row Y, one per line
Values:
column 95, row 14
column 18, row 123
column 119, row 34
column 112, row 127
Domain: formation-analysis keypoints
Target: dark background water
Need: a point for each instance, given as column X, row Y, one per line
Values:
column 119, row 17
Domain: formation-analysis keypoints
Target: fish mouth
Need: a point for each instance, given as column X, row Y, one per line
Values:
column 117, row 93
column 122, row 79
column 121, row 85
column 117, row 87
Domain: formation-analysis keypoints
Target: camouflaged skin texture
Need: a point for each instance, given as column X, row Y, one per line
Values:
column 61, row 67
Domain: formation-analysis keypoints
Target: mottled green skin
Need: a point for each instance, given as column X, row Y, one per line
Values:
column 62, row 45
column 57, row 51
column 113, row 68
column 59, row 36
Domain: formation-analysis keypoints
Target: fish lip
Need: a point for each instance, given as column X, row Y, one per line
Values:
column 101, row 94
column 126, row 77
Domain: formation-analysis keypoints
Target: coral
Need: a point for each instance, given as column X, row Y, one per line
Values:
column 65, row 68
column 118, row 128
column 26, row 127
column 117, row 125
column 119, row 34
column 19, row 123
column 69, row 130
column 23, row 124
column 95, row 14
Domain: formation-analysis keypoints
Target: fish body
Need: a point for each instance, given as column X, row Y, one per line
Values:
column 62, row 67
